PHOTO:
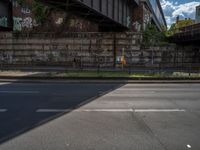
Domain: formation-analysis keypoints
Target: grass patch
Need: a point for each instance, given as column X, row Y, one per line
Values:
column 108, row 74
column 93, row 74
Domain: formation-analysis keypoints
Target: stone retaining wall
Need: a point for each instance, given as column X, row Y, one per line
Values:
column 80, row 49
column 103, row 50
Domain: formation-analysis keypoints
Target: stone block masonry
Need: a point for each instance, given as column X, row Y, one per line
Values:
column 70, row 49
column 92, row 50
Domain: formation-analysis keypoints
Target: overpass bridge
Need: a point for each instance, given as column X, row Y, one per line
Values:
column 112, row 14
column 108, row 15
column 187, row 35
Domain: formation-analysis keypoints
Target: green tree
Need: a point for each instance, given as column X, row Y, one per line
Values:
column 40, row 11
column 152, row 36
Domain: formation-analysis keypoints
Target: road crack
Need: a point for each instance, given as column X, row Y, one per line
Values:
column 147, row 129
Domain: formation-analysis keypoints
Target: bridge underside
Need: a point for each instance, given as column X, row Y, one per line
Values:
column 111, row 15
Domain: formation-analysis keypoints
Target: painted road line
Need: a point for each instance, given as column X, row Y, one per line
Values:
column 159, row 110
column 104, row 110
column 83, row 110
column 129, row 94
column 52, row 110
column 20, row 92
column 132, row 92
column 3, row 110
column 108, row 110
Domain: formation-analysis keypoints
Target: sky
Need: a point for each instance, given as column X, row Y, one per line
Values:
column 183, row 8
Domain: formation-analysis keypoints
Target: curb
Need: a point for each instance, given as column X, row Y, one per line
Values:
column 102, row 78
column 97, row 81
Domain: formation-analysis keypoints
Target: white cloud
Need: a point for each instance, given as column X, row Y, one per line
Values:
column 173, row 9
column 186, row 10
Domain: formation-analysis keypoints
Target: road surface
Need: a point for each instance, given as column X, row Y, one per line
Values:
column 58, row 116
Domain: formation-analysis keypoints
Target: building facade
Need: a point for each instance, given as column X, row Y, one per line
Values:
column 197, row 19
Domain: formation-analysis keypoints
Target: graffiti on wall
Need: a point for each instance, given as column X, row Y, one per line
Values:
column 23, row 17
column 15, row 3
column 17, row 24
column 4, row 21
column 20, row 23
column 27, row 23
column 137, row 26
column 59, row 21
column 146, row 17
column 128, row 20
column 25, row 10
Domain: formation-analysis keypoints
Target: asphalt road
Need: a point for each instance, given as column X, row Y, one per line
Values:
column 36, row 116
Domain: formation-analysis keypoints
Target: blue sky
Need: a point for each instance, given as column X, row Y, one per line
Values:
column 183, row 8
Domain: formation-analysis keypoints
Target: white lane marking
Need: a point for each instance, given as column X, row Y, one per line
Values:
column 189, row 146
column 104, row 110
column 129, row 94
column 53, row 110
column 133, row 92
column 159, row 110
column 20, row 92
column 3, row 110
column 109, row 110
column 84, row 110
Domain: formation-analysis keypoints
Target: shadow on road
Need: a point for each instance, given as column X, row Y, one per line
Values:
column 22, row 100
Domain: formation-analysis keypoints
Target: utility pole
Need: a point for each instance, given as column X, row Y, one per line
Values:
column 115, row 50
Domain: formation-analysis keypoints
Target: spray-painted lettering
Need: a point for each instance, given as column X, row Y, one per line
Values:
column 137, row 26
column 35, row 24
column 20, row 23
column 17, row 26
column 4, row 22
column 27, row 23
column 15, row 3
column 25, row 10
column 128, row 20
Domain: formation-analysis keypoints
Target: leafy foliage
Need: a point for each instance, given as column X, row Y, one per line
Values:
column 175, row 28
column 21, row 2
column 40, row 11
column 153, row 37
